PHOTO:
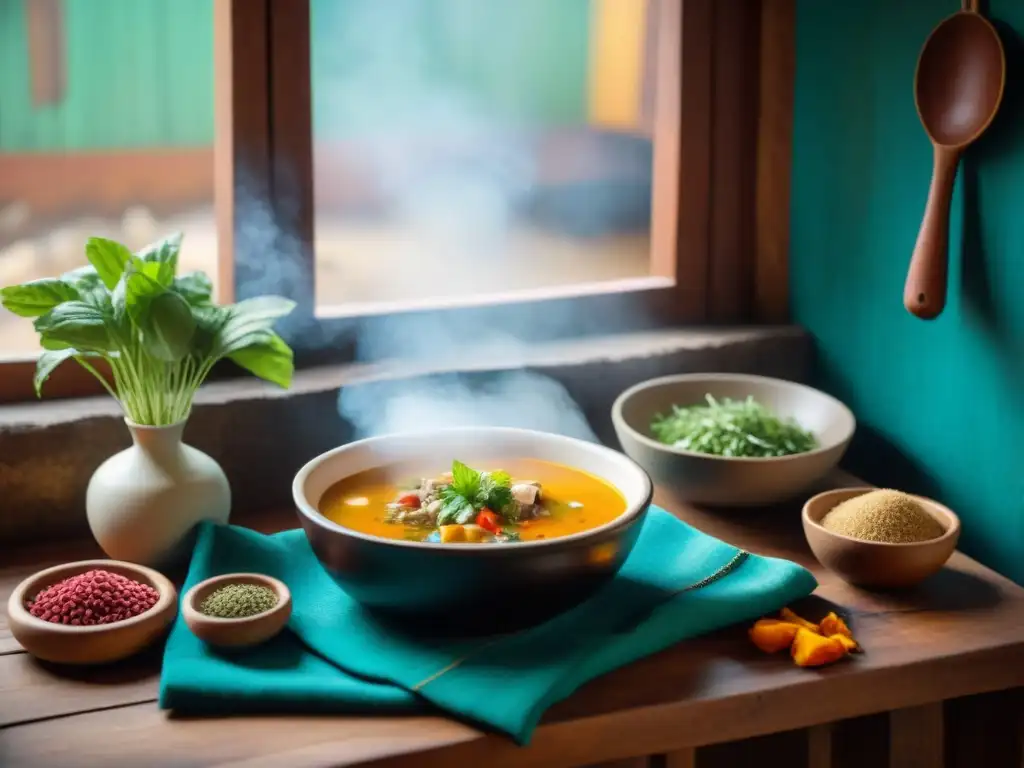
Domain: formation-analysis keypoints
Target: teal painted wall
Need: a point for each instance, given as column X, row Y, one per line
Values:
column 941, row 404
column 139, row 74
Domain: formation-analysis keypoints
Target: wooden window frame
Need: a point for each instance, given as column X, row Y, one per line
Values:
column 721, row 178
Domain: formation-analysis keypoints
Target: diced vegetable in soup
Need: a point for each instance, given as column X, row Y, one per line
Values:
column 523, row 500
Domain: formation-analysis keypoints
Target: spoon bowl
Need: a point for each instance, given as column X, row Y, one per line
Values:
column 958, row 87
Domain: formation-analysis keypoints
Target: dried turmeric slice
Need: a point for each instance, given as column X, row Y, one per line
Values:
column 772, row 635
column 834, row 625
column 812, row 650
column 848, row 642
column 792, row 618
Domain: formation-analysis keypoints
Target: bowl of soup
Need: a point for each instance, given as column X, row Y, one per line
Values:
column 481, row 523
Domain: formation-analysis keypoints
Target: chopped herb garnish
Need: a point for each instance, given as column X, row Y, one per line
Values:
column 470, row 491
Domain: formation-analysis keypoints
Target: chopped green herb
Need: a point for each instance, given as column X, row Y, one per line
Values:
column 470, row 491
column 731, row 428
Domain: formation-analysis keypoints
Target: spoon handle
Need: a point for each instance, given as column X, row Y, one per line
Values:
column 970, row 5
column 924, row 294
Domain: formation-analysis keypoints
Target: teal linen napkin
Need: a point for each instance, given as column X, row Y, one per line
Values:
column 335, row 658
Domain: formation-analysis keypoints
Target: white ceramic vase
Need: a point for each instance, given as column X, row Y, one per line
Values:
column 144, row 502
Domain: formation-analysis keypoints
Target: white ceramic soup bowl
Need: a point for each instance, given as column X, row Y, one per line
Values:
column 487, row 583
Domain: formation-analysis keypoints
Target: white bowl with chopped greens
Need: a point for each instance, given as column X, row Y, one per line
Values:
column 731, row 438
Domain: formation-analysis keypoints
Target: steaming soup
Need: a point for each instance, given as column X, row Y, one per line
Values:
column 522, row 500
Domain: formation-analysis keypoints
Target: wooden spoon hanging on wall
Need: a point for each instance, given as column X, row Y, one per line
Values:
column 957, row 88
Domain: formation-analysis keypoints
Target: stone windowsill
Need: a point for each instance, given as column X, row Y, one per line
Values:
column 261, row 435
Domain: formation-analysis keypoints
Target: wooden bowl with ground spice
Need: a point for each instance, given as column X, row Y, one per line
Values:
column 880, row 538
column 237, row 610
column 91, row 611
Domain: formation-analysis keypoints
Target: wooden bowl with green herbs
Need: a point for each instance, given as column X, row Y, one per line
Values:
column 237, row 610
column 732, row 439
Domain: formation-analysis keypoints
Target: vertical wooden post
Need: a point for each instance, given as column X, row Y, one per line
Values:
column 682, row 758
column 916, row 738
column 241, row 153
column 819, row 746
column 774, row 160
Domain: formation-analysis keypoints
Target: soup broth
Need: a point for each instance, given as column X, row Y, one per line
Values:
column 520, row 500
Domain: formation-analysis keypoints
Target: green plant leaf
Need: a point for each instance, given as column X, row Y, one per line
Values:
column 77, row 324
column 135, row 290
column 90, row 287
column 52, row 344
column 109, row 258
column 159, row 272
column 47, row 363
column 465, row 480
column 37, row 297
column 271, row 360
column 164, row 251
column 210, row 320
column 195, row 287
column 167, row 327
column 250, row 322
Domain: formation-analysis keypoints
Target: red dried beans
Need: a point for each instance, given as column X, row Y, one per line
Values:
column 93, row 597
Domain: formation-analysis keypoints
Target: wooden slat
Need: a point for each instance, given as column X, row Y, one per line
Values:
column 733, row 160
column 31, row 690
column 666, row 200
column 692, row 207
column 681, row 758
column 774, row 156
column 626, row 762
column 291, row 149
column 819, row 746
column 916, row 737
column 242, row 137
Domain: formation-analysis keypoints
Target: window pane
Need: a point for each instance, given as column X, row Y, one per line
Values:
column 467, row 147
column 106, row 128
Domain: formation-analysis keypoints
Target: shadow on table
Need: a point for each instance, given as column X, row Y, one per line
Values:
column 142, row 666
column 951, row 589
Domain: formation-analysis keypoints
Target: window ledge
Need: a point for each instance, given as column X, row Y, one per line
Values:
column 261, row 435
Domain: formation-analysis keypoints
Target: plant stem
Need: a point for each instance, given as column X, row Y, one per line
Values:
column 106, row 385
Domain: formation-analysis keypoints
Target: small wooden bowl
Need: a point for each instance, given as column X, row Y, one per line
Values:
column 872, row 563
column 236, row 633
column 96, row 644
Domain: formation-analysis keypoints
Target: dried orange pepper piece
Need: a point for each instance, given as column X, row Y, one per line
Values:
column 772, row 635
column 792, row 618
column 813, row 650
column 848, row 642
column 834, row 625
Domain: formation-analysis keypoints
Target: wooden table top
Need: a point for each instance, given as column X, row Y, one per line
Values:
column 960, row 633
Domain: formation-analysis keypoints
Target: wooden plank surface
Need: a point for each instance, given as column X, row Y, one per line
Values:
column 916, row 737
column 958, row 634
column 819, row 746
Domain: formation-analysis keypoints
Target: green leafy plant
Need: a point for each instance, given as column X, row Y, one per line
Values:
column 160, row 333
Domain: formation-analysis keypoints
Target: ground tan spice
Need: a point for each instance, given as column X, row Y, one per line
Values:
column 884, row 515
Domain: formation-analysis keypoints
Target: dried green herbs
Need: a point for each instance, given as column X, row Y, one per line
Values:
column 726, row 427
column 237, row 601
